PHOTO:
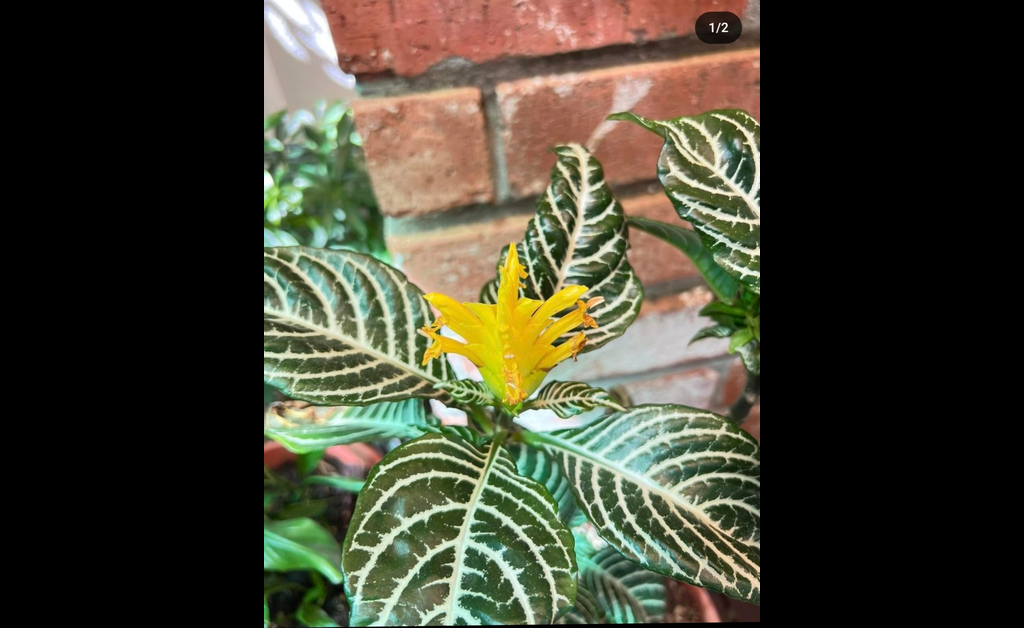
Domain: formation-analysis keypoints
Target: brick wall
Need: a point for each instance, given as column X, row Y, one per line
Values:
column 460, row 101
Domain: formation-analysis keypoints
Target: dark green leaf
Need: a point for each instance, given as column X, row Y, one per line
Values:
column 710, row 167
column 448, row 532
column 674, row 489
column 339, row 328
column 578, row 238
column 715, row 331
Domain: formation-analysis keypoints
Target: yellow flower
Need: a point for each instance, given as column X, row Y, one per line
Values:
column 511, row 342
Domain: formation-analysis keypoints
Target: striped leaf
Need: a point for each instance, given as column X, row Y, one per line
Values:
column 578, row 238
column 710, row 167
column 447, row 532
column 535, row 464
column 721, row 283
column 339, row 328
column 312, row 428
column 586, row 610
column 625, row 592
column 674, row 489
column 568, row 399
column 467, row 391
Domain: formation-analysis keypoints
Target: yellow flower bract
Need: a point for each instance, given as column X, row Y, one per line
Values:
column 511, row 342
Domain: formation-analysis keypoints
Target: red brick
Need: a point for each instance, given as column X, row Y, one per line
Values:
column 540, row 112
column 426, row 152
column 654, row 260
column 692, row 388
column 457, row 261
column 408, row 36
column 753, row 422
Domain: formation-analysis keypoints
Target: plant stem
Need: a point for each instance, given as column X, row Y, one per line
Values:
column 751, row 392
column 479, row 418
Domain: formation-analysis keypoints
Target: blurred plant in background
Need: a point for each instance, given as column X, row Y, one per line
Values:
column 315, row 188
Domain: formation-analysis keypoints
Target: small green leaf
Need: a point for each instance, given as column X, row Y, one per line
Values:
column 273, row 119
column 750, row 353
column 740, row 338
column 346, row 484
column 300, row 544
column 468, row 392
column 567, row 399
column 715, row 331
column 721, row 283
column 306, row 462
column 313, row 616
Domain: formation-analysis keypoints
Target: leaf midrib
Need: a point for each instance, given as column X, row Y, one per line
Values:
column 331, row 334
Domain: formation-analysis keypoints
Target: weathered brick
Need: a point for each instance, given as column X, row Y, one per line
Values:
column 654, row 260
column 657, row 339
column 457, row 261
column 408, row 36
column 426, row 152
column 693, row 388
column 732, row 385
column 753, row 422
column 540, row 112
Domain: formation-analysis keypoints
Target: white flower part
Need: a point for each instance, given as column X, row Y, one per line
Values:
column 448, row 416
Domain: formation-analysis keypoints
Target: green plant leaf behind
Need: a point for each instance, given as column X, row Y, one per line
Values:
column 314, row 616
column 586, row 610
column 715, row 331
column 674, row 489
column 710, row 167
column 448, row 532
column 346, row 484
column 625, row 592
column 567, row 399
column 299, row 545
column 302, row 428
column 339, row 328
column 721, row 283
column 578, row 238
column 740, row 338
column 533, row 463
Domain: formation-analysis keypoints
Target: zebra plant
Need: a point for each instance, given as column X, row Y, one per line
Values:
column 479, row 524
column 710, row 167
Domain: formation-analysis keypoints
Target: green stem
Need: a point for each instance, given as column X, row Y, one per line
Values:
column 479, row 418
column 751, row 392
